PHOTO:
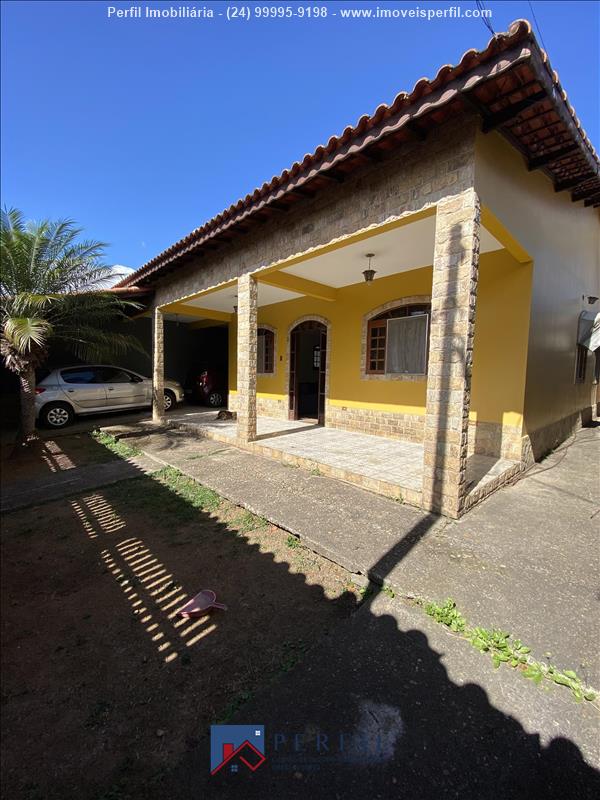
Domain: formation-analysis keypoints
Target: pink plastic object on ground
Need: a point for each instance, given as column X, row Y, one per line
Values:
column 200, row 604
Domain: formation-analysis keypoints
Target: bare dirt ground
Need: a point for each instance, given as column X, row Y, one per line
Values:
column 47, row 457
column 105, row 686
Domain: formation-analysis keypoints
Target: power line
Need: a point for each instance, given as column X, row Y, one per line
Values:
column 484, row 16
column 537, row 25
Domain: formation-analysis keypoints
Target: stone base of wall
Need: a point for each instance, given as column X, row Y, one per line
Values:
column 408, row 427
column 543, row 440
column 480, row 493
column 265, row 406
column 494, row 439
column 270, row 407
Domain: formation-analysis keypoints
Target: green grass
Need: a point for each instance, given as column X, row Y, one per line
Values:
column 165, row 495
column 120, row 447
column 234, row 705
column 187, row 489
column 247, row 521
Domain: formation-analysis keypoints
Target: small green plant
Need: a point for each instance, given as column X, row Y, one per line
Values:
column 238, row 701
column 248, row 521
column 119, row 447
column 292, row 653
column 316, row 472
column 365, row 592
column 293, row 542
column 503, row 649
column 446, row 614
column 389, row 592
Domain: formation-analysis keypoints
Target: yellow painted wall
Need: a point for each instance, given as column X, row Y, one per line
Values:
column 501, row 335
column 344, row 345
column 500, row 349
column 563, row 239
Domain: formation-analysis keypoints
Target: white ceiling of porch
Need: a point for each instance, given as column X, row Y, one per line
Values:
column 226, row 299
column 399, row 250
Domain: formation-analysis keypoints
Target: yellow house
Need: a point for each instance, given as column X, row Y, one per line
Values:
column 412, row 306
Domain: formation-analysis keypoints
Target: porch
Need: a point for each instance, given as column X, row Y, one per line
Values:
column 372, row 338
column 392, row 468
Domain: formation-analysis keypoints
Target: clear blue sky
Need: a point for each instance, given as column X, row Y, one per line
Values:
column 141, row 130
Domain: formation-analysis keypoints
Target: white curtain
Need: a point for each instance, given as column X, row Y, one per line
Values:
column 406, row 345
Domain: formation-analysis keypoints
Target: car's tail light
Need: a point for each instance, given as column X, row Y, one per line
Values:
column 39, row 389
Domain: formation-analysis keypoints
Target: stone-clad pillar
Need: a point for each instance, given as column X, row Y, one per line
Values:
column 158, row 367
column 453, row 296
column 246, row 358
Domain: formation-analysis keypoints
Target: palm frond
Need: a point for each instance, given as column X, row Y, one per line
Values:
column 24, row 334
column 89, row 343
column 50, row 289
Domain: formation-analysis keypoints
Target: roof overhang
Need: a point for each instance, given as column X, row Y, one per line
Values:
column 510, row 84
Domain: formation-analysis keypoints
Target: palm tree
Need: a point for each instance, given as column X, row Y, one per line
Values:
column 53, row 289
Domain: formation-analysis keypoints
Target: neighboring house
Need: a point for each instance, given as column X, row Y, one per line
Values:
column 476, row 195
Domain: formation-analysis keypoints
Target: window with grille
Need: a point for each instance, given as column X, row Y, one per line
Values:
column 265, row 351
column 397, row 341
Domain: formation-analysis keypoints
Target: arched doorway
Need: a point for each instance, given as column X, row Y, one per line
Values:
column 308, row 371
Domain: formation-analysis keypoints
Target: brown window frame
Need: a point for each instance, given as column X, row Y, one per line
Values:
column 377, row 334
column 269, row 360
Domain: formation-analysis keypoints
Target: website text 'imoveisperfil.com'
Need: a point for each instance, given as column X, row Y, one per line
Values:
column 300, row 11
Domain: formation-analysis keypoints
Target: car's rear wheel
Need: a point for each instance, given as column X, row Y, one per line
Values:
column 169, row 400
column 57, row 415
column 215, row 399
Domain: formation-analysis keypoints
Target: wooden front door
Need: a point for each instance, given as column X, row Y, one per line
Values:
column 308, row 356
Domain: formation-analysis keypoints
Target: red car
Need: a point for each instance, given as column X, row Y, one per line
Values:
column 206, row 386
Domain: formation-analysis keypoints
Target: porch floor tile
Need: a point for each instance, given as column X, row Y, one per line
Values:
column 396, row 462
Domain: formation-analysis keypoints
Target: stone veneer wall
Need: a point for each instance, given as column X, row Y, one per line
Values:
column 407, row 427
column 494, row 439
column 417, row 176
column 543, row 440
column 453, row 305
column 246, row 359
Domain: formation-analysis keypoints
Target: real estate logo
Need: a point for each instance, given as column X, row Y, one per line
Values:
column 236, row 748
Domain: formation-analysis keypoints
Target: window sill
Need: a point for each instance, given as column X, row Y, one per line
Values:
column 367, row 376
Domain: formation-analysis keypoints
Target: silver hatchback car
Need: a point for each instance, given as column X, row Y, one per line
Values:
column 73, row 391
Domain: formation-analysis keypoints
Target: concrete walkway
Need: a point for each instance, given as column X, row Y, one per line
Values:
column 525, row 561
column 404, row 710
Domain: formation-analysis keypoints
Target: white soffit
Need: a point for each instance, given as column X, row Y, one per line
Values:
column 226, row 299
column 399, row 250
